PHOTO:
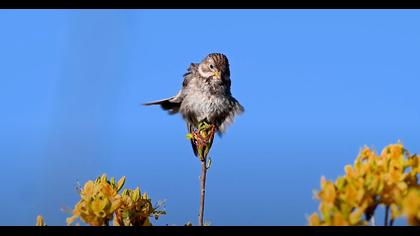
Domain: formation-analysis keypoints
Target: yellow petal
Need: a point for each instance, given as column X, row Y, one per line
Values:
column 103, row 178
column 88, row 190
column 338, row 220
column 395, row 212
column 355, row 216
column 328, row 193
column 136, row 194
column 71, row 219
column 99, row 204
column 120, row 183
column 314, row 220
column 348, row 170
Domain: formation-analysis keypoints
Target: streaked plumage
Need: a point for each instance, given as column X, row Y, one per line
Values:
column 205, row 95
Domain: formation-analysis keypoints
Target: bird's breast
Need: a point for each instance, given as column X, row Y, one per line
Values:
column 200, row 106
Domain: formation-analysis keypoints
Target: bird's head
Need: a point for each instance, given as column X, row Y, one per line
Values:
column 215, row 66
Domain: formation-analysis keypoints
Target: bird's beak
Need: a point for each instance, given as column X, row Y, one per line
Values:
column 217, row 75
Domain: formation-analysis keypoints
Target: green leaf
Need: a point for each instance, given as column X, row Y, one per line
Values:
column 208, row 164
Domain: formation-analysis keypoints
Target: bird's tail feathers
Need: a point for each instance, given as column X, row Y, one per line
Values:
column 191, row 130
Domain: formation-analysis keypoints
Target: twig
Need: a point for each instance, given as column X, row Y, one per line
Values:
column 370, row 213
column 386, row 215
column 203, row 191
column 203, row 139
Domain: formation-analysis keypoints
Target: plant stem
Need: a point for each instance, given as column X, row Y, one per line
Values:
column 386, row 215
column 372, row 221
column 203, row 191
column 370, row 213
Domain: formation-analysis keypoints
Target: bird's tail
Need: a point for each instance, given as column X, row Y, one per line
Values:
column 166, row 104
column 191, row 130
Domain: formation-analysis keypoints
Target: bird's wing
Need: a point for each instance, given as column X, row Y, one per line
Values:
column 157, row 102
column 173, row 103
column 167, row 104
column 189, row 74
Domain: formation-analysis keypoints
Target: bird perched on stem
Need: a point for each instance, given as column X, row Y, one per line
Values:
column 205, row 96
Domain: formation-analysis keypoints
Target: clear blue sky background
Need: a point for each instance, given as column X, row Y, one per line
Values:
column 317, row 85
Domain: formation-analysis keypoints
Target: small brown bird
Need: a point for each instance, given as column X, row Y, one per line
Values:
column 205, row 95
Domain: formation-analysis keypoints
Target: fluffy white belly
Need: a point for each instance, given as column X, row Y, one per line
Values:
column 204, row 106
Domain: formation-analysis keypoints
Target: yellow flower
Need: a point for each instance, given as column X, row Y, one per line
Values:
column 411, row 206
column 365, row 153
column 98, row 201
column 414, row 163
column 88, row 190
column 348, row 169
column 136, row 209
column 314, row 220
column 40, row 221
column 393, row 151
column 328, row 193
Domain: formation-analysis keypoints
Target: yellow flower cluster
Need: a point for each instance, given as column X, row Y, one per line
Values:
column 100, row 200
column 389, row 179
column 135, row 209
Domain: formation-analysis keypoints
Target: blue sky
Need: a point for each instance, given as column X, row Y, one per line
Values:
column 317, row 85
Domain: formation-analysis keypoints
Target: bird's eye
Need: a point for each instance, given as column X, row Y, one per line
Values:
column 211, row 66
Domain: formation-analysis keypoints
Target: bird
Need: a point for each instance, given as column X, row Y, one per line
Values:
column 205, row 96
